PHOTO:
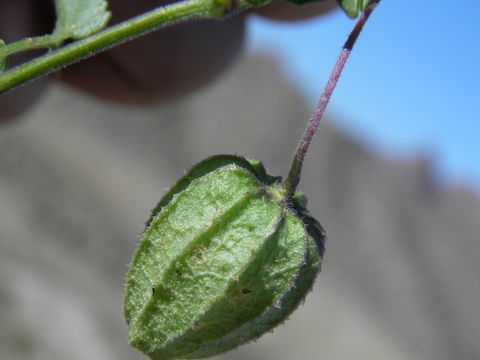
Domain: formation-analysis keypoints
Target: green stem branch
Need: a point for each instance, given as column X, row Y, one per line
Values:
column 39, row 42
column 161, row 17
column 296, row 168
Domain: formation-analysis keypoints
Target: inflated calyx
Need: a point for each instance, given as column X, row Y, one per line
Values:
column 224, row 258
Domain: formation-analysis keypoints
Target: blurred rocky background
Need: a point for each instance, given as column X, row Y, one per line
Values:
column 78, row 179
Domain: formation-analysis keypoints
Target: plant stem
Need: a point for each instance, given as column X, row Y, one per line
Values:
column 158, row 18
column 296, row 168
column 39, row 42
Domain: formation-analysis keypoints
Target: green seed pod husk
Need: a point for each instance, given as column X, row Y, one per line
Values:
column 224, row 258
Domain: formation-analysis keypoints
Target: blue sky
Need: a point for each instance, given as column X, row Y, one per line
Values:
column 411, row 84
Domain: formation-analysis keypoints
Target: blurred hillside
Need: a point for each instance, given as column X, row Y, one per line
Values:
column 78, row 179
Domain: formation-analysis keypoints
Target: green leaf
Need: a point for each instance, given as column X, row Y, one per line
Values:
column 3, row 59
column 258, row 3
column 353, row 7
column 77, row 19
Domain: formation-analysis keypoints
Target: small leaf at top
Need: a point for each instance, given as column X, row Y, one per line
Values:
column 353, row 7
column 77, row 19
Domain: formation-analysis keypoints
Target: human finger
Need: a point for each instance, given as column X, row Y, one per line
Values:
column 162, row 65
column 286, row 11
